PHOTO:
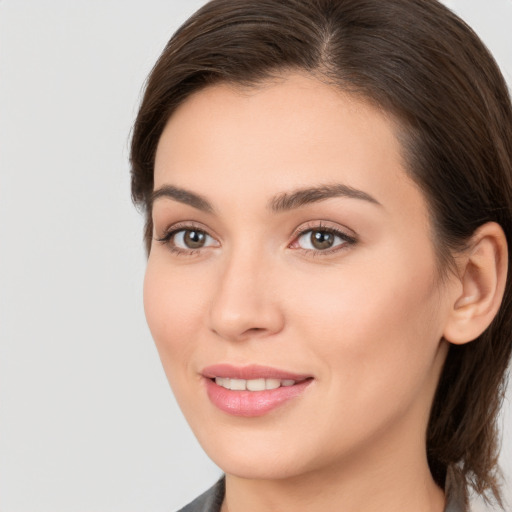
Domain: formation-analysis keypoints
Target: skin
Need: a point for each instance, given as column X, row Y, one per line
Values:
column 366, row 320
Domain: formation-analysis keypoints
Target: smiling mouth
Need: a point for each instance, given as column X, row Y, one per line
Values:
column 252, row 390
column 260, row 384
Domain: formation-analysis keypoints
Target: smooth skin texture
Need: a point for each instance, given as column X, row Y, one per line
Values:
column 364, row 313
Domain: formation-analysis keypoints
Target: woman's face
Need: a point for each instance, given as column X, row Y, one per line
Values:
column 290, row 249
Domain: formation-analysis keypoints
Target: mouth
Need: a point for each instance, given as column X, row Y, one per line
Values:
column 260, row 384
column 252, row 390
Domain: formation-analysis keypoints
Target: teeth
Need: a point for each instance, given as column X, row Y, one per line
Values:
column 252, row 384
column 255, row 385
column 237, row 384
column 272, row 383
column 222, row 382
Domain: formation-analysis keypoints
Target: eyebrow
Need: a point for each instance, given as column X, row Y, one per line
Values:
column 282, row 202
column 302, row 197
column 183, row 196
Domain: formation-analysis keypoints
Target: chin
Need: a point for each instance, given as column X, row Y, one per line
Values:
column 268, row 467
column 264, row 455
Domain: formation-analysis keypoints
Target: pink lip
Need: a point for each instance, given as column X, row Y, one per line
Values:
column 251, row 403
column 252, row 371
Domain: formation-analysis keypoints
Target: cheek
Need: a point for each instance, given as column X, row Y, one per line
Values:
column 376, row 328
column 174, row 308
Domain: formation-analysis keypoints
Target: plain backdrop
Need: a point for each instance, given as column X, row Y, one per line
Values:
column 87, row 422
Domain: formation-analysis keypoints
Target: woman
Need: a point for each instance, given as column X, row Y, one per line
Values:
column 328, row 196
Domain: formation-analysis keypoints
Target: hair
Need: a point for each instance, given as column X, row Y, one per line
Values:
column 417, row 61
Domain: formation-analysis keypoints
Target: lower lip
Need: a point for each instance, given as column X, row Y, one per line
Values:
column 252, row 403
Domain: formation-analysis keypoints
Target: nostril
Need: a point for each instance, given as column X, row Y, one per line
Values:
column 236, row 317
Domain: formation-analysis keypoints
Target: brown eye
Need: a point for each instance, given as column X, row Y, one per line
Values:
column 322, row 239
column 194, row 239
column 190, row 239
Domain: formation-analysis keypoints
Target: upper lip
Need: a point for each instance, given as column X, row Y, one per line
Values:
column 253, row 371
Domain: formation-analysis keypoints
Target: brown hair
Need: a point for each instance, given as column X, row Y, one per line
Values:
column 416, row 60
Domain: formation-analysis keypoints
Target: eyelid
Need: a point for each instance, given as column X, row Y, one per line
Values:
column 173, row 229
column 337, row 230
column 177, row 226
column 324, row 225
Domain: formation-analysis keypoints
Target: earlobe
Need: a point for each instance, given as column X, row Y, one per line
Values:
column 483, row 274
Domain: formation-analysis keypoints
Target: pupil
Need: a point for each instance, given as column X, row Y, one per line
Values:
column 194, row 239
column 322, row 239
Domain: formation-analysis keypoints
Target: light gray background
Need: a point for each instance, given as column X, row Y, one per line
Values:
column 87, row 422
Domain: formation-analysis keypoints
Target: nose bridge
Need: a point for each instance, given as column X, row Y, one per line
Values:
column 243, row 304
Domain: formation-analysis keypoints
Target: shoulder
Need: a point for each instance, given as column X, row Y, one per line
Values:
column 209, row 501
column 455, row 490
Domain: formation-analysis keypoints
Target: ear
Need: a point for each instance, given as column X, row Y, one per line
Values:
column 482, row 273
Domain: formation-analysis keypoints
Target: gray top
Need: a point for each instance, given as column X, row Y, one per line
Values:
column 211, row 500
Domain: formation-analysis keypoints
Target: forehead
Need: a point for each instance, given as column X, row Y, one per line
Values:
column 293, row 132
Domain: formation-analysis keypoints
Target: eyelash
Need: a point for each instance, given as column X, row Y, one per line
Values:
column 348, row 240
column 174, row 230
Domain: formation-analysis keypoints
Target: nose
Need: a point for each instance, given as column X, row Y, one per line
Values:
column 245, row 303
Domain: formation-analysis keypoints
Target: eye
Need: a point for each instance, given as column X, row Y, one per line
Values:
column 191, row 239
column 187, row 239
column 323, row 239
